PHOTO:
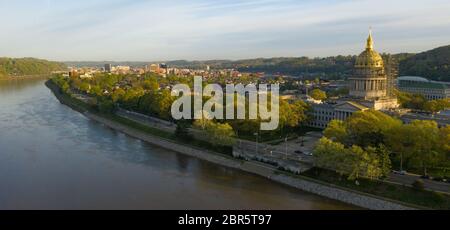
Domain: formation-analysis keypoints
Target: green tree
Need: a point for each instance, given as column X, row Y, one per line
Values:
column 445, row 140
column 354, row 162
column 318, row 94
column 327, row 154
column 130, row 99
column 336, row 131
column 360, row 163
column 220, row 134
column 96, row 90
column 411, row 101
column 151, row 85
column 383, row 155
column 182, row 130
column 437, row 105
column 426, row 149
column 369, row 128
column 292, row 114
column 85, row 87
column 117, row 95
column 162, row 104
column 202, row 124
column 400, row 141
column 105, row 106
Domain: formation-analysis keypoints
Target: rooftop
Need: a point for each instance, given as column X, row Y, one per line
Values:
column 421, row 82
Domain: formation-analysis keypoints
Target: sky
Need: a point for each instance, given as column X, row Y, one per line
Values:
column 157, row 30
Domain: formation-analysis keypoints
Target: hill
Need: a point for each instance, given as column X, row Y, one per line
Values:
column 28, row 66
column 433, row 64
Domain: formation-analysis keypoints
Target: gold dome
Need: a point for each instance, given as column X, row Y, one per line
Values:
column 369, row 58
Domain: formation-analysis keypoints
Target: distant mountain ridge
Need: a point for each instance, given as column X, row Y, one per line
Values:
column 28, row 66
column 433, row 64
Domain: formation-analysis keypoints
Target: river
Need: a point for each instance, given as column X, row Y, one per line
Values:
column 52, row 157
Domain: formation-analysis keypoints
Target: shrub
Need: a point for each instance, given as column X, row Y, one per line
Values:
column 419, row 185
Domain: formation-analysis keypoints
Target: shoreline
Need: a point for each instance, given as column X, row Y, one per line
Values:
column 306, row 184
column 25, row 77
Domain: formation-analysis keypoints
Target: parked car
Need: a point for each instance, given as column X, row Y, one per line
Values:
column 427, row 177
column 400, row 172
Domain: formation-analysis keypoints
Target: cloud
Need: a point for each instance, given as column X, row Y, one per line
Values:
column 204, row 29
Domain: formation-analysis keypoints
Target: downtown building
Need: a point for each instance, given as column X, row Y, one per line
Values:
column 431, row 90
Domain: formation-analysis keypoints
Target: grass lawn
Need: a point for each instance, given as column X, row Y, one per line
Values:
column 278, row 136
column 395, row 192
column 170, row 136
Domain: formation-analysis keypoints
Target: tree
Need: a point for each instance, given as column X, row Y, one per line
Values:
column 162, row 104
column 336, row 131
column 151, row 85
column 445, row 140
column 105, row 106
column 117, row 95
column 437, row 105
column 182, row 130
column 246, row 126
column 318, row 94
column 62, row 83
column 369, row 128
column 360, row 163
column 130, row 99
column 411, row 101
column 96, row 91
column 203, row 123
column 425, row 150
column 220, row 134
column 326, row 154
column 385, row 163
column 354, row 162
column 400, row 141
column 292, row 114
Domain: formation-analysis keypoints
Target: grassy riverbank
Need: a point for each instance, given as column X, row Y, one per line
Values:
column 82, row 107
column 400, row 193
column 25, row 77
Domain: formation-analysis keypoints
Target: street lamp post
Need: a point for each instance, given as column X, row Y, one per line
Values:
column 240, row 141
column 401, row 162
column 286, row 140
column 257, row 139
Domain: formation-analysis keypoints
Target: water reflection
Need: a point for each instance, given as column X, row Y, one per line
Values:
column 54, row 158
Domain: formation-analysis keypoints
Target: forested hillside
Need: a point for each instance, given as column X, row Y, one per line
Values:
column 433, row 64
column 28, row 66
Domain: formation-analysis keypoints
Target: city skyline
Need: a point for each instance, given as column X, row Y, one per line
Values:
column 136, row 30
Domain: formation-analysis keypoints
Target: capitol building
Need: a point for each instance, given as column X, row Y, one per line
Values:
column 370, row 87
